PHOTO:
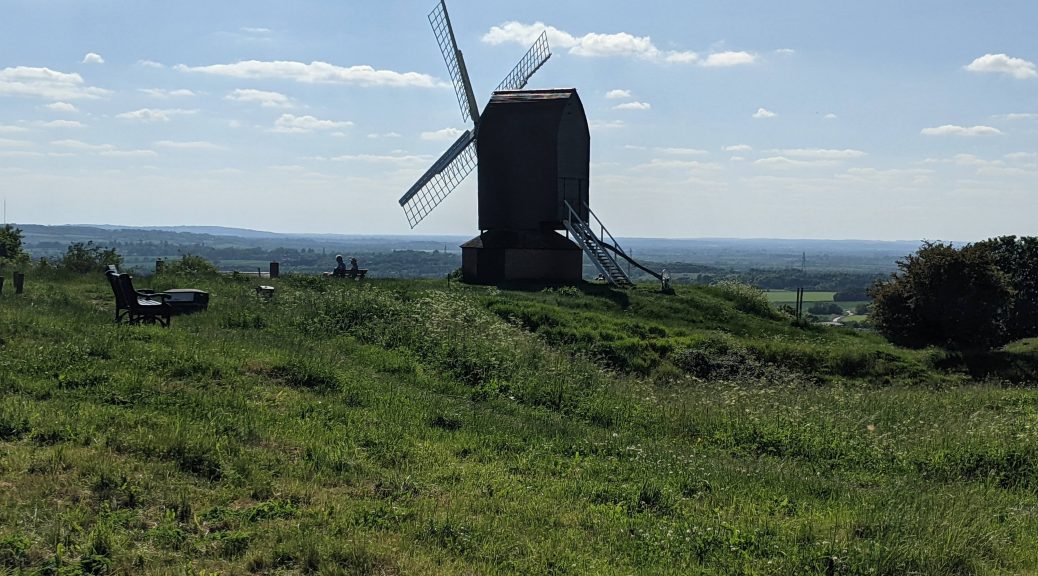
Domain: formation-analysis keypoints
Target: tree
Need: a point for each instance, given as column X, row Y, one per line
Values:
column 1017, row 258
column 83, row 258
column 944, row 296
column 190, row 264
column 11, row 250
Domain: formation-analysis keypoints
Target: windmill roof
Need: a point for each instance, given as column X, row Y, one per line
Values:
column 532, row 95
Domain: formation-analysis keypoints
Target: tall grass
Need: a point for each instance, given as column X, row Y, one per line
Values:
column 401, row 427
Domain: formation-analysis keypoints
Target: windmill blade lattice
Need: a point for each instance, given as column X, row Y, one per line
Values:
column 441, row 179
column 441, row 25
column 535, row 57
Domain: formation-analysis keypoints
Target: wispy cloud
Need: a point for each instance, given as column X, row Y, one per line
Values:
column 764, row 113
column 188, row 145
column 618, row 94
column 150, row 64
column 1021, row 116
column 606, row 124
column 633, row 106
column 315, row 72
column 619, row 44
column 443, row 134
column 292, row 124
column 738, row 148
column 61, row 107
column 63, row 124
column 10, row 129
column 261, row 97
column 9, row 143
column 93, row 58
column 1002, row 64
column 375, row 135
column 166, row 94
column 154, row 114
column 101, row 149
column 954, row 130
column 821, row 153
column 47, row 84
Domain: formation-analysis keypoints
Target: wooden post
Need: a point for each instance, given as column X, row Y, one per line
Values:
column 160, row 265
column 1, row 284
column 275, row 269
column 19, row 282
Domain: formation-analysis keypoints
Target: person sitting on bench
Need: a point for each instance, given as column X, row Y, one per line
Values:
column 354, row 270
column 340, row 266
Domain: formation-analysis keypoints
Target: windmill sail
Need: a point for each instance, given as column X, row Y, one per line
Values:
column 535, row 57
column 441, row 25
column 441, row 179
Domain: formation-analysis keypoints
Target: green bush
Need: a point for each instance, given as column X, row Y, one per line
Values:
column 191, row 265
column 83, row 258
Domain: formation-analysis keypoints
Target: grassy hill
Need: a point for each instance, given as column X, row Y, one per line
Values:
column 408, row 427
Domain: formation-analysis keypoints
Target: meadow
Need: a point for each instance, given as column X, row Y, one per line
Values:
column 415, row 427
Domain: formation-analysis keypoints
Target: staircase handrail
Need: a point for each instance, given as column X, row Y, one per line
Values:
column 615, row 246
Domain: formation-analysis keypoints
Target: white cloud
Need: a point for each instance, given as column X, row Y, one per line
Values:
column 619, row 44
column 764, row 113
column 786, row 51
column 195, row 145
column 724, row 59
column 821, row 153
column 8, row 143
column 618, row 94
column 953, row 130
column 154, row 114
column 150, row 64
column 444, row 134
column 315, row 72
column 1001, row 64
column 61, row 107
column 46, row 83
column 8, row 129
column 79, row 145
column 290, row 123
column 1023, row 156
column 671, row 164
column 383, row 158
column 830, row 116
column 129, row 153
column 375, row 135
column 683, row 151
column 606, row 124
column 1022, row 116
column 166, row 94
column 261, row 97
column 252, row 30
column 633, row 106
column 63, row 124
column 738, row 148
column 782, row 162
column 93, row 58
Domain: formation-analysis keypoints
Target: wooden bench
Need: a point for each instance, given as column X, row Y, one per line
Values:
column 357, row 274
column 138, row 306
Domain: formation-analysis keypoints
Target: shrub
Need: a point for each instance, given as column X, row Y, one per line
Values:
column 83, row 258
column 944, row 296
column 825, row 308
column 746, row 298
column 192, row 265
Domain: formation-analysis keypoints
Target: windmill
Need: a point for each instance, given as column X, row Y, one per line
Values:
column 534, row 148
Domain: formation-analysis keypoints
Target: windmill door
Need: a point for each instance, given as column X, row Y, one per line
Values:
column 573, row 191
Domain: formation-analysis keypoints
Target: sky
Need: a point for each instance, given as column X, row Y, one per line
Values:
column 713, row 118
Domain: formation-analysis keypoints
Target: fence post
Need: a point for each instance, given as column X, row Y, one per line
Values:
column 275, row 269
column 19, row 282
column 1, row 284
column 160, row 265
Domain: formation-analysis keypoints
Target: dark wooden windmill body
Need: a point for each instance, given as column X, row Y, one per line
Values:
column 533, row 148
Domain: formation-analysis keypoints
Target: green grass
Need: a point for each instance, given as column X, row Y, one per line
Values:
column 398, row 427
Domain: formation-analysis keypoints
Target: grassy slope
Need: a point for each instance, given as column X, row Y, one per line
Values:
column 394, row 427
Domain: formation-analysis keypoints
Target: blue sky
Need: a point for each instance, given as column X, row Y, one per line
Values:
column 807, row 119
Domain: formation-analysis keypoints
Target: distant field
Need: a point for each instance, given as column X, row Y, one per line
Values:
column 785, row 296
